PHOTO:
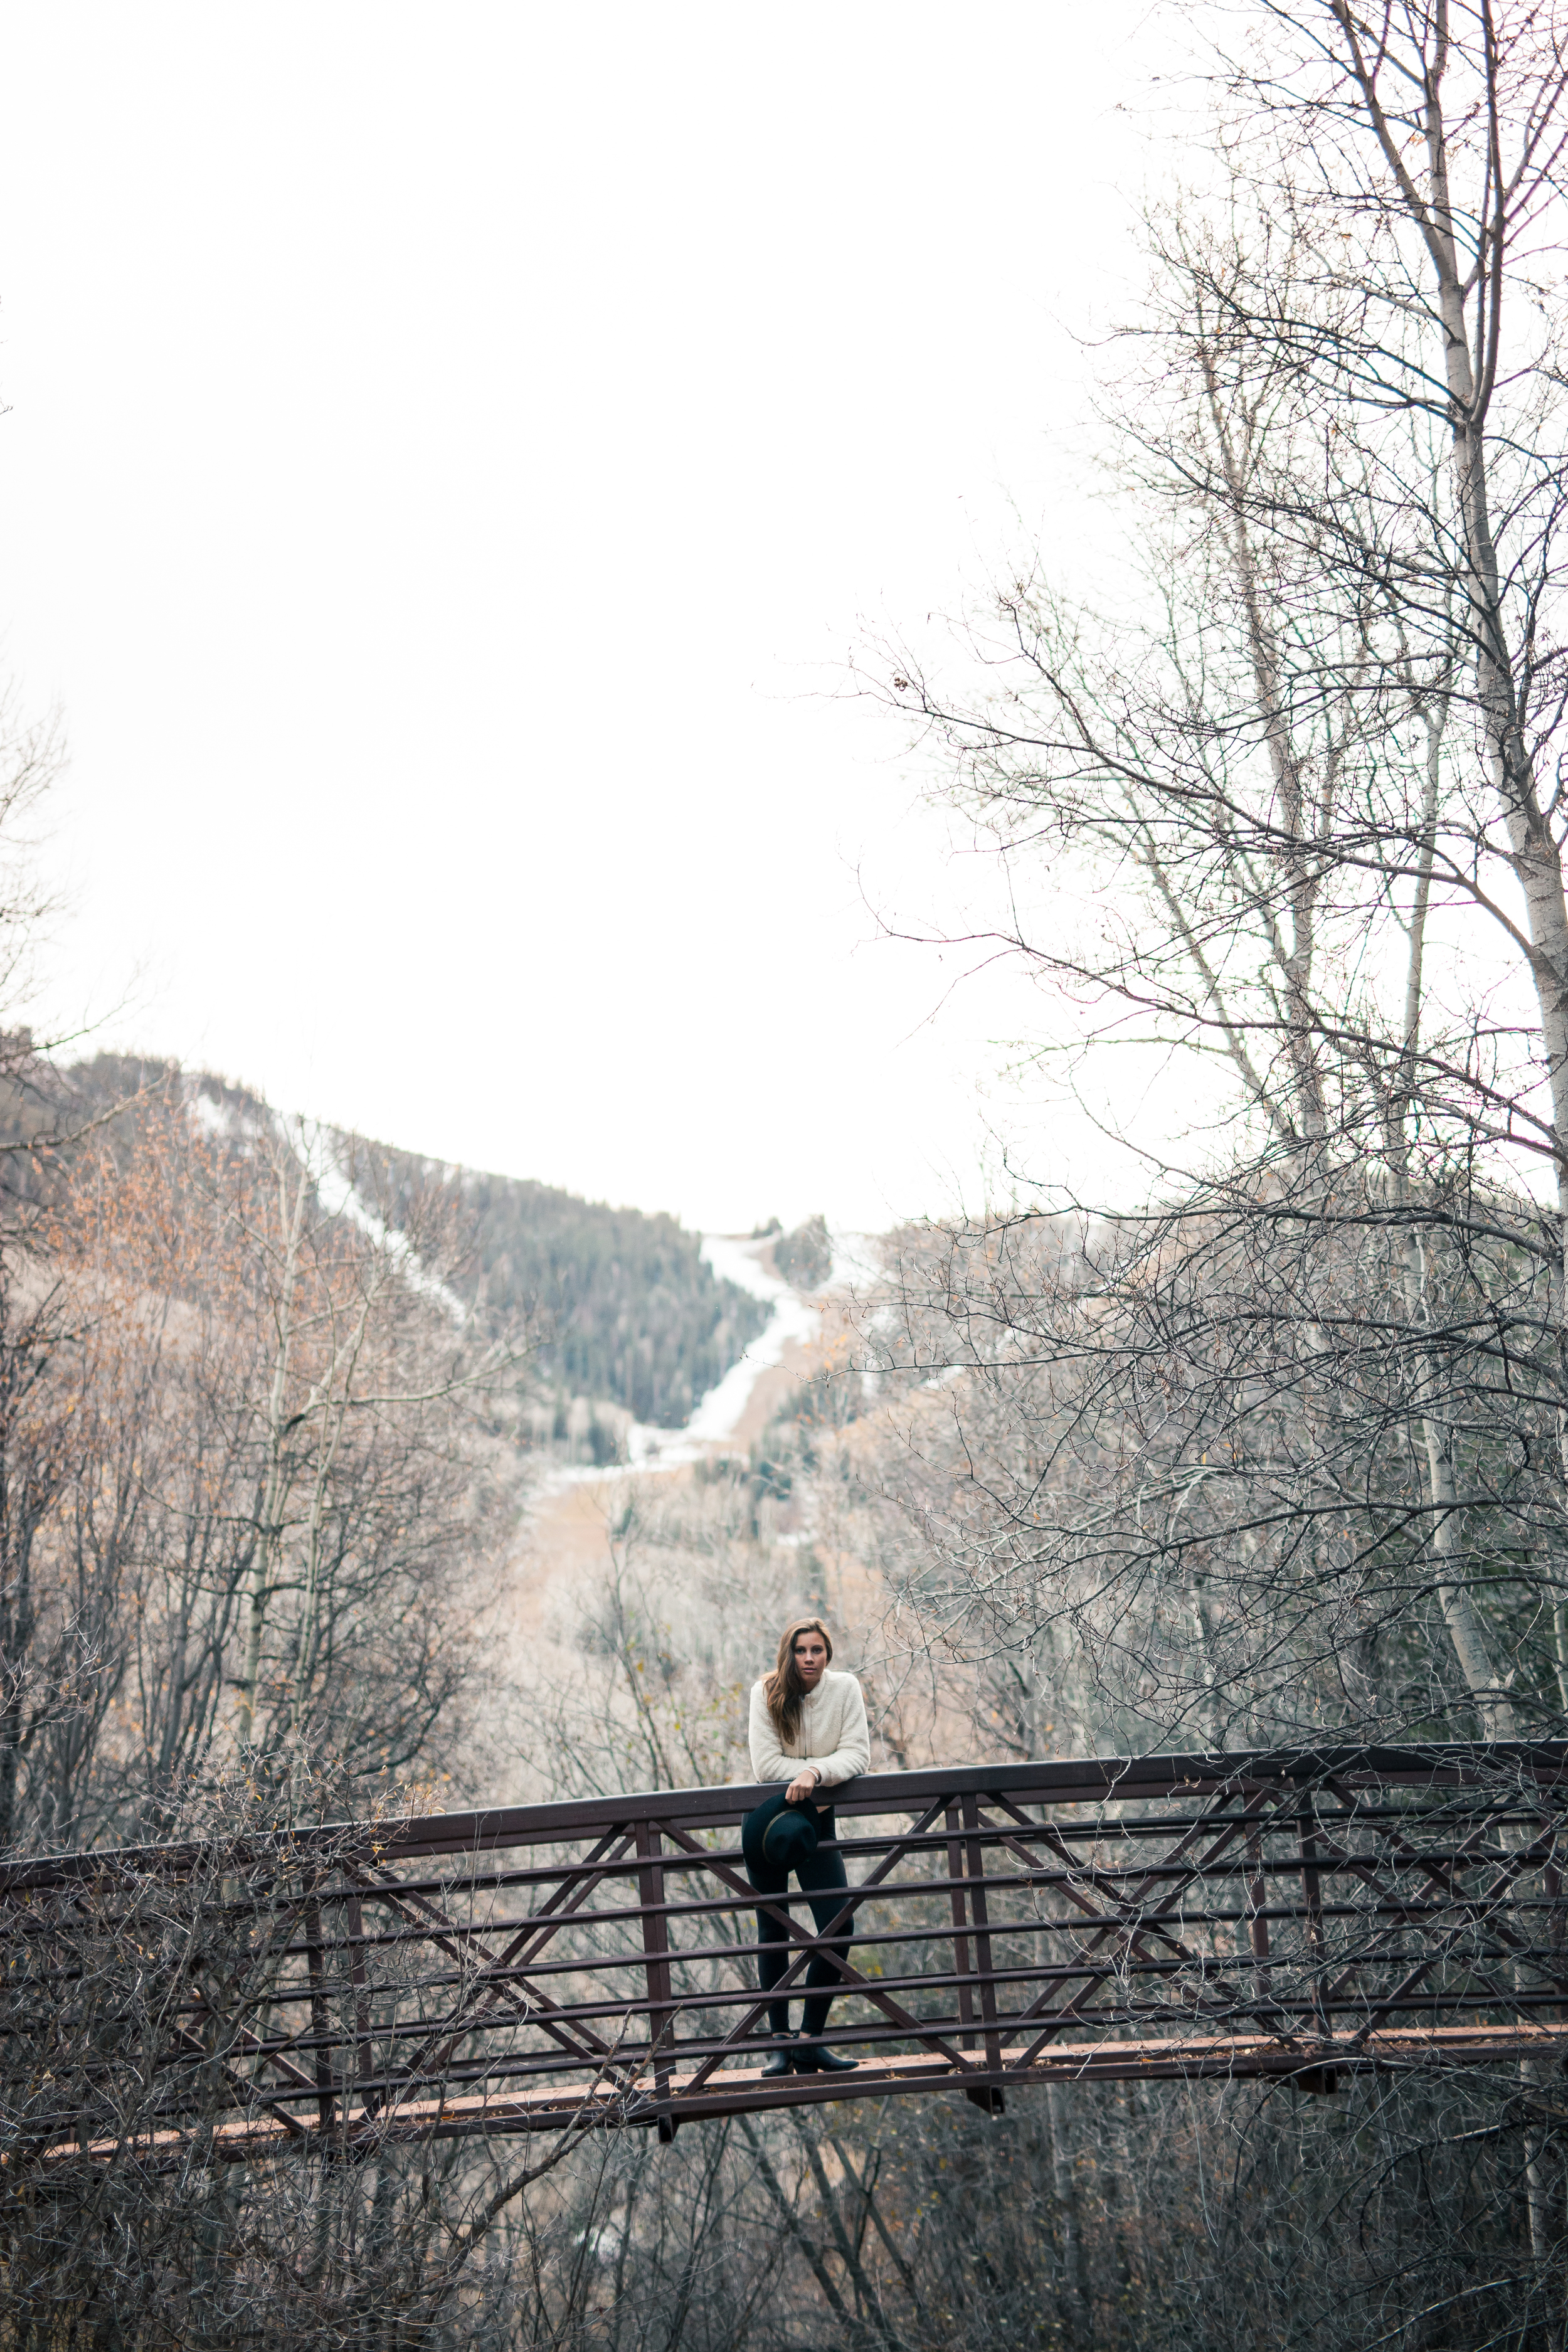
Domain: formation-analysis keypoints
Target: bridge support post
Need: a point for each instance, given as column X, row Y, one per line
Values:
column 966, row 1870
column 320, row 2016
column 979, row 1911
column 655, row 1951
column 366, row 2057
column 1320, row 2082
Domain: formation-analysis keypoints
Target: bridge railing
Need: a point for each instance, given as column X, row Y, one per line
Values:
column 539, row 1966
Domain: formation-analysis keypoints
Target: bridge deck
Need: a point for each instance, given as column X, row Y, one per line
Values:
column 742, row 2090
column 556, row 1967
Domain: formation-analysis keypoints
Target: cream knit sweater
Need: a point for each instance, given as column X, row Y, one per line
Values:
column 833, row 1736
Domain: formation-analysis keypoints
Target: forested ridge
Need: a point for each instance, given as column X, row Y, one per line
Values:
column 631, row 1310
column 621, row 1304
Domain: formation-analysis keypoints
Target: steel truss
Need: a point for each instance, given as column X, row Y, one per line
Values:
column 543, row 1968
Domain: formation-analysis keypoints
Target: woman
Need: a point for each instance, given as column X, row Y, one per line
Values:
column 808, row 1729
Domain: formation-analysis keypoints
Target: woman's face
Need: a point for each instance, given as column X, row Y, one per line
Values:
column 810, row 1658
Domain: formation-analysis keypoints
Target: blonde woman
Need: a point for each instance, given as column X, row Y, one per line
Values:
column 807, row 1730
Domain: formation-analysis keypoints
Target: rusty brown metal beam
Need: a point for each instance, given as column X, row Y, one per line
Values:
column 1301, row 1915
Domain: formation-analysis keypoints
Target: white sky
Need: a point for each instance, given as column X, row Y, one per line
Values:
column 448, row 451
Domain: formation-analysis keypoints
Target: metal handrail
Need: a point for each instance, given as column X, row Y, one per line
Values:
column 1056, row 1781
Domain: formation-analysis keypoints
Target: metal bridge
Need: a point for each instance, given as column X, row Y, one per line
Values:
column 549, row 1967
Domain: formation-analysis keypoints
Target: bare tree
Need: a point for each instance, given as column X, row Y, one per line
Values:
column 256, row 1500
column 1294, row 789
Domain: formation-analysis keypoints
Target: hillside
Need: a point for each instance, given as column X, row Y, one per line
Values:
column 629, row 1310
column 633, row 1311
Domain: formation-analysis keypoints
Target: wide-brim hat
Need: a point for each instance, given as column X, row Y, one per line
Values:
column 776, row 1835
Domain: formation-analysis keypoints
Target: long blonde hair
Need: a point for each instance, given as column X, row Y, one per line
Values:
column 784, row 1689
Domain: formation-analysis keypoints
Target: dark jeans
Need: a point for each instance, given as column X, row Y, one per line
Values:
column 821, row 1877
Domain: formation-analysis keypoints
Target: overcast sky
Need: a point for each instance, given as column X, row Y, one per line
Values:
column 450, row 454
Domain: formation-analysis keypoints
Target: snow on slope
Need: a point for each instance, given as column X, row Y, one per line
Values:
column 719, row 1414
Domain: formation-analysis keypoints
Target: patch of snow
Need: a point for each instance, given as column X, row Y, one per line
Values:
column 857, row 1261
column 210, row 1115
column 737, row 1261
column 224, row 1121
column 659, row 1449
column 721, row 1409
column 339, row 1198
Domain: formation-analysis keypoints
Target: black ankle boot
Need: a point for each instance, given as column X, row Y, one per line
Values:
column 782, row 2060
column 815, row 2058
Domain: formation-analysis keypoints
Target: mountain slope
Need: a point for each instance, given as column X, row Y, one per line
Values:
column 632, row 1309
column 628, row 1309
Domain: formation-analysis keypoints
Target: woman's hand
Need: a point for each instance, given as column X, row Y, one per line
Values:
column 804, row 1785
